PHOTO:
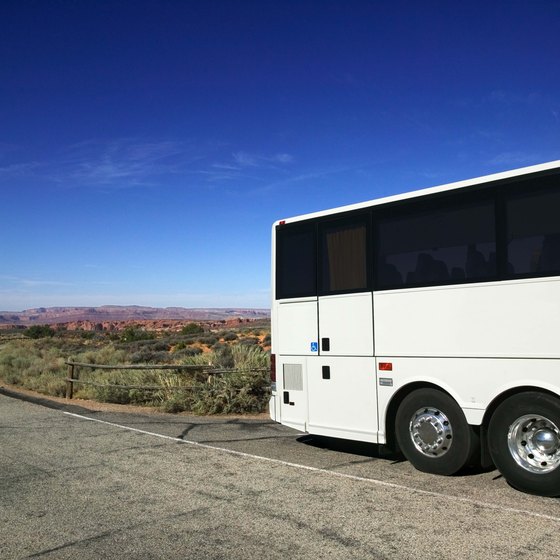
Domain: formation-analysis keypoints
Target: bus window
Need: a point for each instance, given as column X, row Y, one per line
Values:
column 446, row 245
column 344, row 255
column 295, row 261
column 534, row 234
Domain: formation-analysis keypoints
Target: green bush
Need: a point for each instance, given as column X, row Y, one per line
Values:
column 223, row 357
column 207, row 340
column 192, row 328
column 149, row 356
column 39, row 331
column 189, row 351
column 249, row 341
column 132, row 334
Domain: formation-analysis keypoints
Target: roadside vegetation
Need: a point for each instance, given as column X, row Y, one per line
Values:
column 234, row 378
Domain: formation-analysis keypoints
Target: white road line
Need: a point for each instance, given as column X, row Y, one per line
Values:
column 327, row 472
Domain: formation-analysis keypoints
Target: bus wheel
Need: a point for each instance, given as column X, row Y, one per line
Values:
column 432, row 432
column 524, row 441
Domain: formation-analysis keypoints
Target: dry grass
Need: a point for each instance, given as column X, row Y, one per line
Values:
column 243, row 387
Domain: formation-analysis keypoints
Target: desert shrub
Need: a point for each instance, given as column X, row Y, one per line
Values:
column 192, row 328
column 249, row 341
column 119, row 386
column 148, row 351
column 188, row 339
column 39, row 331
column 223, row 357
column 48, row 383
column 148, row 355
column 189, row 351
column 250, row 357
column 229, row 336
column 108, row 354
column 132, row 334
column 34, row 365
column 208, row 340
column 160, row 345
column 232, row 392
column 87, row 335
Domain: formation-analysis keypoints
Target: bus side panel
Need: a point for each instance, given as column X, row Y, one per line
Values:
column 342, row 397
column 347, row 322
column 296, row 328
column 291, row 395
column 507, row 319
column 473, row 383
column 295, row 337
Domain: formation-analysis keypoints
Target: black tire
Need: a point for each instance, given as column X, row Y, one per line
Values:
column 522, row 430
column 431, row 416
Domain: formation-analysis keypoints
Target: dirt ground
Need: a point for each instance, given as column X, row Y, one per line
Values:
column 111, row 407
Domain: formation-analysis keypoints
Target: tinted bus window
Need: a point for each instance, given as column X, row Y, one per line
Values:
column 296, row 258
column 445, row 245
column 534, row 233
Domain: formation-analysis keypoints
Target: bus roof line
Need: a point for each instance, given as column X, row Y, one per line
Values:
column 427, row 191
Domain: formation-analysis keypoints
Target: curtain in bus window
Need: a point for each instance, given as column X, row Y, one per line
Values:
column 534, row 233
column 344, row 259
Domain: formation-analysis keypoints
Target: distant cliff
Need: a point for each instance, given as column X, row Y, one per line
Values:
column 112, row 313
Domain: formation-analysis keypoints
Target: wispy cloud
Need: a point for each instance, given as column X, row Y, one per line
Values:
column 516, row 158
column 31, row 282
column 514, row 98
column 122, row 163
column 132, row 162
column 244, row 159
column 239, row 161
column 250, row 167
column 312, row 175
column 26, row 169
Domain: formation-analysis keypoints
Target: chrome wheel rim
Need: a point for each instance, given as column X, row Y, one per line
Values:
column 534, row 443
column 431, row 432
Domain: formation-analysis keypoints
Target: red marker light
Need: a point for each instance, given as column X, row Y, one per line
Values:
column 385, row 366
column 282, row 222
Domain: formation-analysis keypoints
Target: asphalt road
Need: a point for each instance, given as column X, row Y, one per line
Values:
column 80, row 484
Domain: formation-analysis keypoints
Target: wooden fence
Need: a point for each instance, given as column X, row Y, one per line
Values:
column 74, row 375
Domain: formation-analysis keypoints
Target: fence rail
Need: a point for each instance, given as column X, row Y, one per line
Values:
column 74, row 376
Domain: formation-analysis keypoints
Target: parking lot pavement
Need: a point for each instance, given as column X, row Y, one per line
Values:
column 84, row 484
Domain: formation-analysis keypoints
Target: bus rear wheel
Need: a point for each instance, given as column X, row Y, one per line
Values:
column 524, row 442
column 433, row 433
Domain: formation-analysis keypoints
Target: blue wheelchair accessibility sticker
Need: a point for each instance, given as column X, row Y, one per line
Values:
column 314, row 347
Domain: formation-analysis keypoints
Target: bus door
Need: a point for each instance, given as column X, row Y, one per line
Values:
column 342, row 378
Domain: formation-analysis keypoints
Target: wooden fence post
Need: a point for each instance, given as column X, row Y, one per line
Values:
column 69, row 381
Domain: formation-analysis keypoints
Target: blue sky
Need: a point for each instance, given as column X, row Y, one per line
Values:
column 146, row 147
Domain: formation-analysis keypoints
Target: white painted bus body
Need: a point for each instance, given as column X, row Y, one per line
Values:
column 467, row 340
column 475, row 341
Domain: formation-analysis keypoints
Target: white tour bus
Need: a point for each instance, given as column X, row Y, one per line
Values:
column 428, row 322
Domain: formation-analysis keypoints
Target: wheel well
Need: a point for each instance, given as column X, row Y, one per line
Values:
column 390, row 435
column 505, row 395
column 391, row 439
